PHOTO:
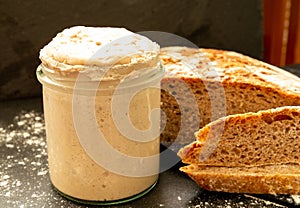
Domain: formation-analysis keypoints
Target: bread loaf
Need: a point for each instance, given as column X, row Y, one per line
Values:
column 249, row 153
column 202, row 85
column 243, row 147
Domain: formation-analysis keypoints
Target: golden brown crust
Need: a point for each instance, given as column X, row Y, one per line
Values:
column 227, row 66
column 278, row 179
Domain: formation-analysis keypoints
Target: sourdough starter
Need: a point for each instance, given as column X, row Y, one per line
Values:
column 74, row 169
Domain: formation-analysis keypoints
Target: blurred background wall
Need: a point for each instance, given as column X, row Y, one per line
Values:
column 281, row 32
column 26, row 26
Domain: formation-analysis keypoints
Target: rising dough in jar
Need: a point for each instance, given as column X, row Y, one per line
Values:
column 73, row 53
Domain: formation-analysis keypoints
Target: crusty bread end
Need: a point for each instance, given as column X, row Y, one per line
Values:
column 273, row 179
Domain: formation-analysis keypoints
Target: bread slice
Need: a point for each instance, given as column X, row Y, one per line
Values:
column 252, row 139
column 248, row 153
column 273, row 179
column 202, row 85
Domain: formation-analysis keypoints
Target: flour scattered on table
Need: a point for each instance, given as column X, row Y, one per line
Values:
column 296, row 199
column 25, row 148
column 258, row 200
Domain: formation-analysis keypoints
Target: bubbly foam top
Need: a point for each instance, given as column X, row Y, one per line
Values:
column 82, row 48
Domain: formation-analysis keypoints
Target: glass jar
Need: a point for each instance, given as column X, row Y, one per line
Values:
column 102, row 137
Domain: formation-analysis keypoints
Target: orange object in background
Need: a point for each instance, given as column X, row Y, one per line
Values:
column 282, row 32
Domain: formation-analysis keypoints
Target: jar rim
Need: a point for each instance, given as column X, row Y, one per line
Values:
column 89, row 86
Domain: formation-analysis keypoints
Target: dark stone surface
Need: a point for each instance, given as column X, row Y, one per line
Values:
column 26, row 26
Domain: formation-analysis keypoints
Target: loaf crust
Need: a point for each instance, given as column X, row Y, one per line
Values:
column 274, row 179
column 202, row 85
